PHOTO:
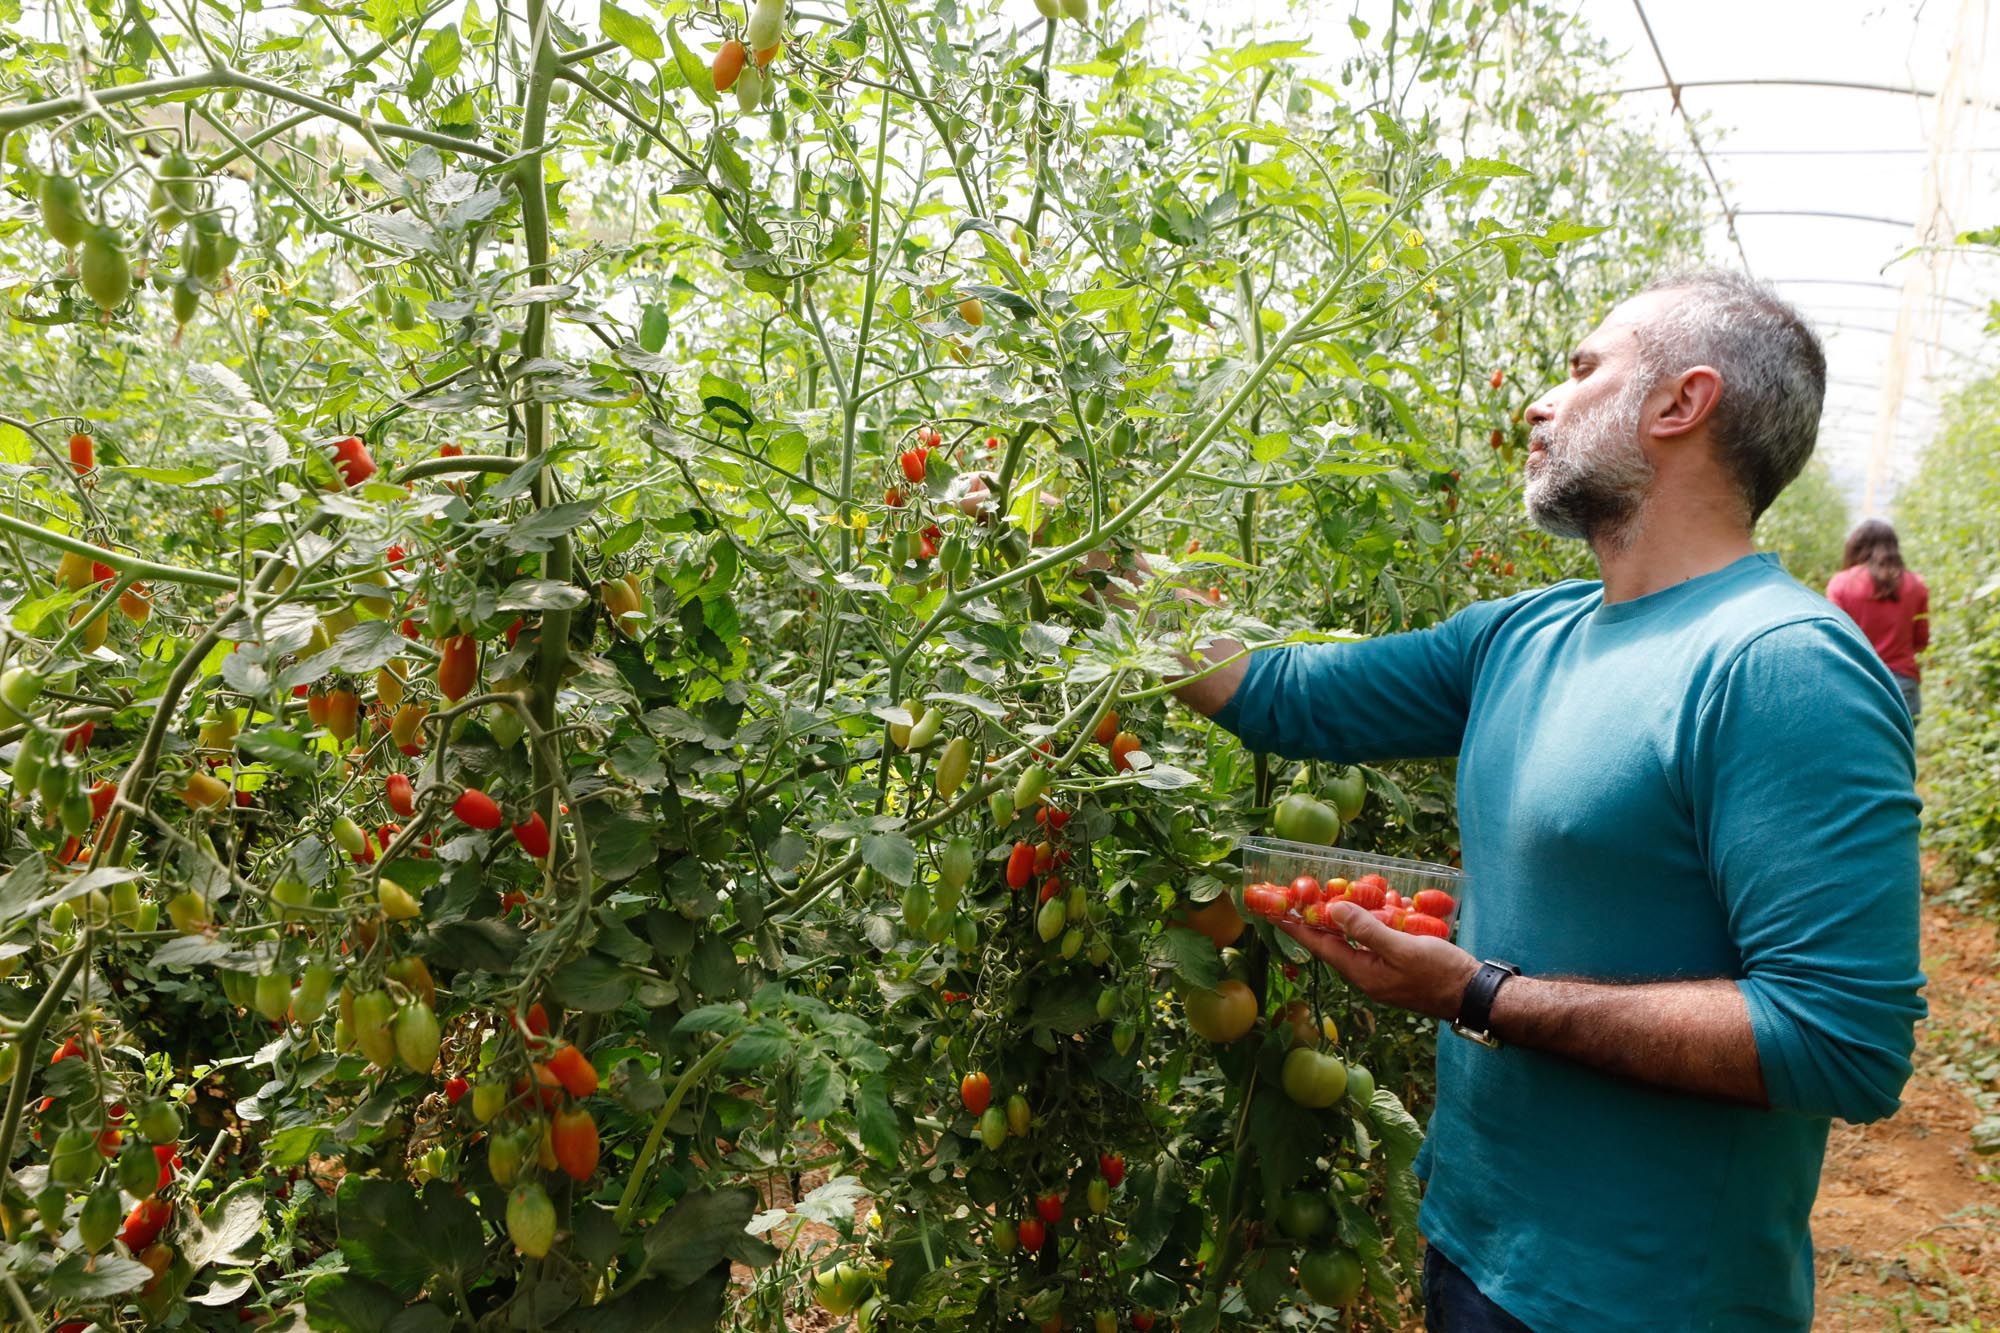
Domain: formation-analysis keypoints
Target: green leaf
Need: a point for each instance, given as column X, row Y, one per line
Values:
column 225, row 1226
column 656, row 1306
column 880, row 1132
column 695, row 1234
column 655, row 323
column 539, row 530
column 29, row 615
column 621, row 843
column 280, row 747
column 1189, row 955
column 443, row 52
column 345, row 1303
column 71, row 1283
column 1101, row 299
column 391, row 1235
column 1559, row 232
column 630, row 31
column 593, row 984
column 474, row 944
column 541, row 595
column 724, row 1018
column 1489, row 166
column 693, row 69
column 890, row 855
column 727, row 401
column 294, row 1146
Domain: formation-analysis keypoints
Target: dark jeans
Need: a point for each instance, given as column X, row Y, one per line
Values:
column 1913, row 694
column 1453, row 1305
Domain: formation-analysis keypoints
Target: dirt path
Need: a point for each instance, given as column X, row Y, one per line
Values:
column 1907, row 1226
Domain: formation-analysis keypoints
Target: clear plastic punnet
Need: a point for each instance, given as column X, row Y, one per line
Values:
column 1299, row 879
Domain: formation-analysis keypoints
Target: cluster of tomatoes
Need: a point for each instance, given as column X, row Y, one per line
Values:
column 536, row 1122
column 1427, row 912
column 142, row 1154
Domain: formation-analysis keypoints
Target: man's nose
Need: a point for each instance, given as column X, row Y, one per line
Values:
column 1542, row 409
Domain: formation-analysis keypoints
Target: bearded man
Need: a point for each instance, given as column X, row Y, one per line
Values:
column 1687, row 810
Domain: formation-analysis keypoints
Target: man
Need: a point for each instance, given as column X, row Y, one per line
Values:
column 1687, row 812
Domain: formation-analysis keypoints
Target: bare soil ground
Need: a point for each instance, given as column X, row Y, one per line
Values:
column 1907, row 1226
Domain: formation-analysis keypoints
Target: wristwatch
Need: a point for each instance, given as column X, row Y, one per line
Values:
column 1475, row 1009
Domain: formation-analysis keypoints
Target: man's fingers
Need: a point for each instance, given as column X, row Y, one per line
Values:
column 1363, row 927
column 1329, row 949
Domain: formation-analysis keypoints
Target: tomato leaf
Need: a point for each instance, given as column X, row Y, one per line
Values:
column 890, row 855
column 225, row 1226
column 281, row 748
column 727, row 401
column 694, row 1235
column 80, row 1280
column 1189, row 955
column 1101, row 299
column 630, row 31
column 592, row 984
column 541, row 595
column 389, row 1233
column 692, row 68
column 485, row 944
column 1489, row 167
column 881, row 1133
column 538, row 531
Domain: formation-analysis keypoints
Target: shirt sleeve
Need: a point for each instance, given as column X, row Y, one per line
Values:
column 1803, row 787
column 1402, row 696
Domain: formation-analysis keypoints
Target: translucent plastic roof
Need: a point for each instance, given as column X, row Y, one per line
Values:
column 1829, row 187
column 1832, row 186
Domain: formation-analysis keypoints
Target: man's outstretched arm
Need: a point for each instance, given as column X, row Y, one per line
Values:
column 1688, row 1036
column 1207, row 693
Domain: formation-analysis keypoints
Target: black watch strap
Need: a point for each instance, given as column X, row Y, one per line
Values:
column 1475, row 1008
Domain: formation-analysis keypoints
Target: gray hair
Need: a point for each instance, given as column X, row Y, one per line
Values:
column 1772, row 366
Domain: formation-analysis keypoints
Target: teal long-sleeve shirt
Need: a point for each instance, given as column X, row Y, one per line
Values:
column 1715, row 780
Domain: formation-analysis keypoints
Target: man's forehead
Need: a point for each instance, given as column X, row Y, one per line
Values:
column 1621, row 327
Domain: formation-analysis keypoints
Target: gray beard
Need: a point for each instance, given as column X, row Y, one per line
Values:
column 1593, row 481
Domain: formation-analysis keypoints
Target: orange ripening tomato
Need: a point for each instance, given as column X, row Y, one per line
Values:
column 352, row 463
column 82, row 453
column 406, row 728
column 575, row 1135
column 1020, row 865
column 1122, row 746
column 458, row 667
column 574, row 1071
column 1107, row 729
column 143, row 1225
column 728, row 65
column 136, row 603
column 342, row 713
column 401, row 794
column 768, row 54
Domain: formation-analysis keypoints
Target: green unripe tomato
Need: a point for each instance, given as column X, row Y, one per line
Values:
column 74, row 1159
column 1051, row 920
column 97, row 1222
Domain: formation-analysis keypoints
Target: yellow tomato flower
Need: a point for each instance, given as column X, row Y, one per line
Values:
column 1413, row 239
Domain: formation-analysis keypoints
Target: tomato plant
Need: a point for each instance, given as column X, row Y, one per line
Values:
column 664, row 582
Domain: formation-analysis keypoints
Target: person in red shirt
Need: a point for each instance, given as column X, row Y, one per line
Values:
column 1888, row 601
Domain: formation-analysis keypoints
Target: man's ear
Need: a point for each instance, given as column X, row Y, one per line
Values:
column 1695, row 392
